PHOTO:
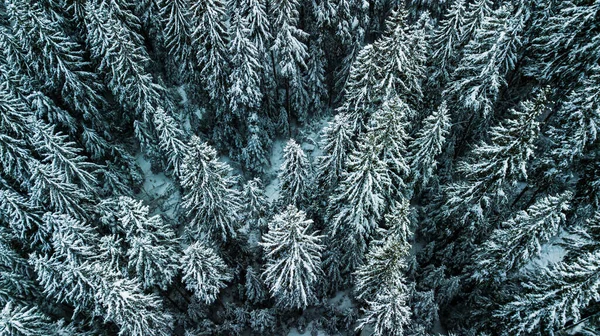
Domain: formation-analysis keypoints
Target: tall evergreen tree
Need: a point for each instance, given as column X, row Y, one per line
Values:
column 428, row 144
column 521, row 237
column 210, row 198
column 293, row 259
column 295, row 175
column 291, row 54
column 204, row 272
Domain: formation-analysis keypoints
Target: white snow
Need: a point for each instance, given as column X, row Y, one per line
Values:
column 272, row 189
column 158, row 186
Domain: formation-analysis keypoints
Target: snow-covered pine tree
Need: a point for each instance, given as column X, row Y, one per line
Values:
column 362, row 89
column 54, row 59
column 565, row 42
column 295, row 175
column 476, row 13
column 204, row 272
column 177, row 21
column 520, row 238
column 293, row 256
column 488, row 57
column 256, row 207
column 384, row 267
column 388, row 313
column 255, row 289
column 209, row 38
column 336, row 143
column 402, row 54
column 244, row 88
column 358, row 203
column 447, row 39
column 553, row 297
column 387, row 126
column 255, row 155
column 19, row 320
column 427, row 145
column 315, row 77
column 121, row 57
column 171, row 140
column 291, row 54
column 210, row 199
column 153, row 252
column 492, row 167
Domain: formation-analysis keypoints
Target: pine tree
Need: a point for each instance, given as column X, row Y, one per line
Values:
column 210, row 199
column 255, row 154
column 336, row 142
column 255, row 290
column 447, row 40
column 428, row 144
column 387, row 127
column 176, row 17
column 291, row 54
column 17, row 320
column 388, row 313
column 315, row 77
column 256, row 206
column 521, row 237
column 293, row 259
column 244, row 89
column 475, row 15
column 553, row 296
column 384, row 267
column 295, row 175
column 488, row 57
column 171, row 140
column 402, row 53
column 359, row 202
column 204, row 272
column 209, row 38
column 565, row 42
column 118, row 51
column 492, row 167
column 362, row 90
column 54, row 59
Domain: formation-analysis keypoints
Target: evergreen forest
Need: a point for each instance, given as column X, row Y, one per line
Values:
column 299, row 167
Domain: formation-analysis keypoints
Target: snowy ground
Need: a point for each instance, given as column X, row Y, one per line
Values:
column 158, row 189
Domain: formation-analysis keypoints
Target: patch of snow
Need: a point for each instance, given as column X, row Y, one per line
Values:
column 276, row 159
column 307, row 332
column 157, row 186
column 342, row 300
column 184, row 98
column 551, row 253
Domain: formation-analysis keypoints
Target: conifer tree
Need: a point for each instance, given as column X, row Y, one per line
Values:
column 336, row 142
column 255, row 154
column 387, row 127
column 204, row 272
column 209, row 38
column 295, row 175
column 428, row 144
column 244, row 89
column 293, row 259
column 210, row 199
column 359, row 202
column 388, row 313
column 521, row 237
column 291, row 54
column 176, row 17
column 492, row 167
column 553, row 296
column 488, row 57
column 447, row 39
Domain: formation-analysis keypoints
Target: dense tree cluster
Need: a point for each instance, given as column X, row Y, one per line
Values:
column 247, row 167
